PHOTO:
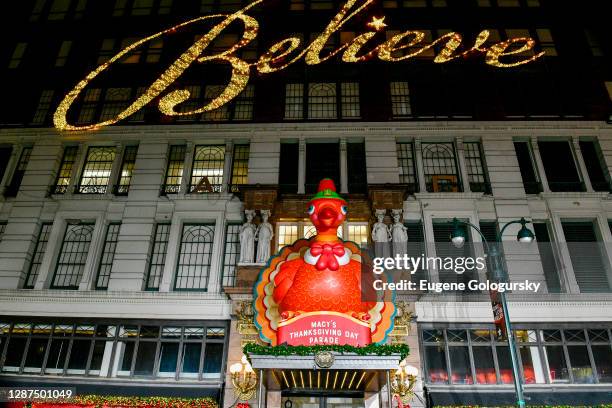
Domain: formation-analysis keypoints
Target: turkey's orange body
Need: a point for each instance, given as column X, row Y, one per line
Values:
column 303, row 288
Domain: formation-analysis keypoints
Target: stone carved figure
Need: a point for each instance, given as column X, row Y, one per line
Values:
column 399, row 234
column 247, row 238
column 381, row 235
column 264, row 236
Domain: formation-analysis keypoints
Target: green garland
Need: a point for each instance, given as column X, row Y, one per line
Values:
column 101, row 401
column 528, row 406
column 370, row 349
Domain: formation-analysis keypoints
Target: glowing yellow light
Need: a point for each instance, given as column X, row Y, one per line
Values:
column 275, row 59
column 377, row 23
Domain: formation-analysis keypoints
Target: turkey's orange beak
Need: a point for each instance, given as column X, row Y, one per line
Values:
column 328, row 216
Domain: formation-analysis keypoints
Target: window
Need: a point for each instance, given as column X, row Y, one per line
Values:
column 594, row 43
column 288, row 168
column 559, row 166
column 72, row 256
column 158, row 256
column 59, row 9
column 207, row 169
column 477, row 174
column 294, row 101
column 115, row 101
column 97, row 170
column 547, row 257
column 194, row 258
column 548, row 355
column 322, row 161
column 108, row 255
column 324, row 98
column 44, row 105
column 595, row 165
column 39, row 252
column 243, row 104
column 142, row 7
column 220, row 114
column 531, row 183
column 406, row 164
column 12, row 189
column 586, row 256
column 240, row 167
column 5, row 157
column 287, row 234
column 89, row 107
column 440, row 167
column 231, row 254
column 107, row 48
column 65, row 171
column 37, row 10
column 358, row 233
column 174, row 172
column 127, row 170
column 356, row 167
column 545, row 40
column 2, row 229
column 17, row 55
column 400, row 100
column 508, row 3
column 322, row 101
column 349, row 100
column 444, row 248
column 62, row 54
column 116, row 349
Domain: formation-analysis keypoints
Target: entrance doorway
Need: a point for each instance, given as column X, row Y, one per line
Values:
column 322, row 401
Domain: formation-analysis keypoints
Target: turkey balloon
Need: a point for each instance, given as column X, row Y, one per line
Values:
column 312, row 292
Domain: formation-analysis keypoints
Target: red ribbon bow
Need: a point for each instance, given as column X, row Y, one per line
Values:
column 328, row 253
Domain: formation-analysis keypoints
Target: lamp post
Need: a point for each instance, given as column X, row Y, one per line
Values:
column 499, row 273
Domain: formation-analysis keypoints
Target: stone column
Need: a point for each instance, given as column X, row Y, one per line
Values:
column 227, row 166
column 302, row 166
column 582, row 165
column 343, row 167
column 187, row 164
column 539, row 164
column 420, row 170
column 113, row 178
column 463, row 171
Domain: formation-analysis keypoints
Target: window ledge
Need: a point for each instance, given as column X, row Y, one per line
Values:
column 576, row 194
column 458, row 195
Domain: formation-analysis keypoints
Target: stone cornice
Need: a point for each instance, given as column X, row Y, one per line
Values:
column 247, row 130
column 119, row 304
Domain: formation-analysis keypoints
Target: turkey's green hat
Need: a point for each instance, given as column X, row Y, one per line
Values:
column 327, row 189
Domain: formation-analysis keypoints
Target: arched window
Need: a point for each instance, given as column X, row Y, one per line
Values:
column 97, row 170
column 72, row 257
column 440, row 167
column 322, row 101
column 193, row 266
column 207, row 170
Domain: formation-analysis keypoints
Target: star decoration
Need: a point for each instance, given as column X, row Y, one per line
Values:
column 377, row 23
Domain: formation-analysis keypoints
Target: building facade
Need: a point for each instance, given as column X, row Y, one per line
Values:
column 119, row 247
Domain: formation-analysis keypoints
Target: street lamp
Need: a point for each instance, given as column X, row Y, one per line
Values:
column 524, row 236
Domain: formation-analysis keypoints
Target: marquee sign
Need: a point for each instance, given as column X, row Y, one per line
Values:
column 400, row 47
column 310, row 293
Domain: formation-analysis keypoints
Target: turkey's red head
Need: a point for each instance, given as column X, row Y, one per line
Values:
column 327, row 211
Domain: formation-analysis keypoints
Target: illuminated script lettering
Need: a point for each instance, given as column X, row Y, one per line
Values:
column 400, row 47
